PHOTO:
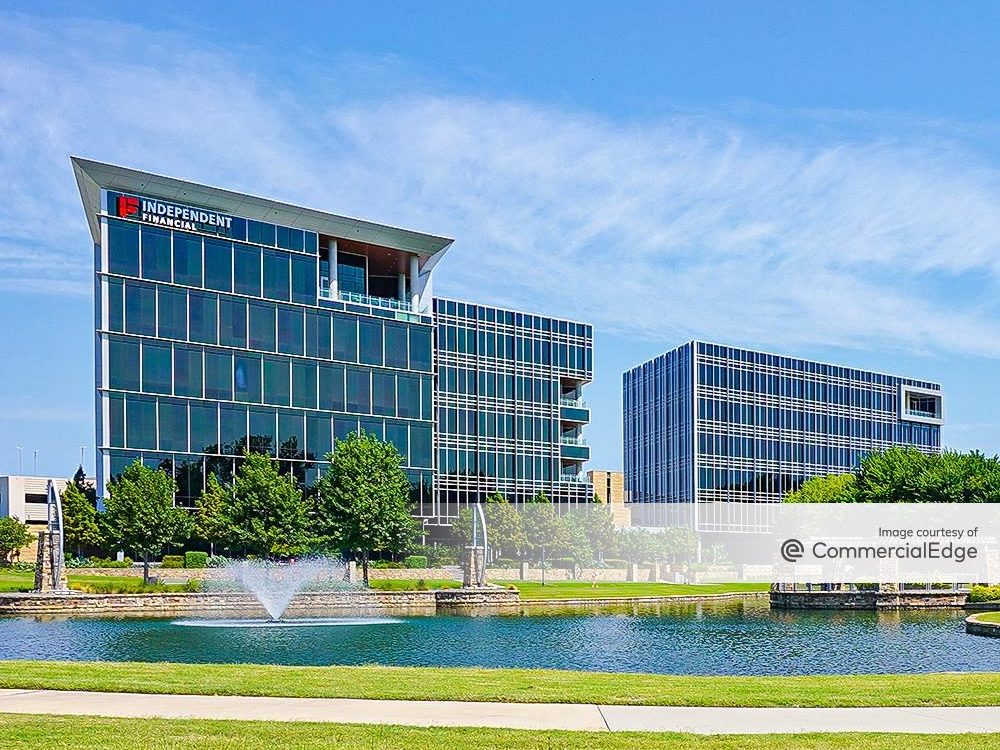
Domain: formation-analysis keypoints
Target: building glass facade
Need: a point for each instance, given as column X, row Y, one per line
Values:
column 715, row 423
column 510, row 413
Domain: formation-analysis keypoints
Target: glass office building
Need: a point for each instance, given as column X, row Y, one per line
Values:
column 226, row 322
column 716, row 423
column 510, row 412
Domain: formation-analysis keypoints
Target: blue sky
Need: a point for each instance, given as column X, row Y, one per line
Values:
column 814, row 179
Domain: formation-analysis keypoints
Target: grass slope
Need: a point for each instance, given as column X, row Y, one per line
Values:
column 587, row 590
column 990, row 617
column 14, row 581
column 87, row 733
column 515, row 685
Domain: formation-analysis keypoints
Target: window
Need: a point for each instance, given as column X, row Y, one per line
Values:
column 156, row 370
column 123, row 248
column 358, row 390
column 409, row 396
column 304, row 384
column 246, row 270
column 187, row 371
column 276, row 275
column 351, row 273
column 204, row 428
column 232, row 322
column 246, row 378
column 218, row 374
column 290, row 329
column 140, row 309
column 397, row 433
column 172, row 313
column 219, row 265
column 420, row 348
column 140, row 422
column 262, row 326
column 331, row 387
column 371, row 427
column 345, row 338
column 277, row 386
column 202, row 311
column 370, row 340
column 395, row 345
column 187, row 259
column 304, row 279
column 343, row 427
column 155, row 254
column 123, row 364
column 318, row 443
column 262, row 431
column 426, row 403
column 318, row 334
column 232, row 428
column 116, row 304
column 384, row 393
column 173, row 426
column 291, row 434
column 116, row 418
column 290, row 239
column 420, row 446
column 260, row 232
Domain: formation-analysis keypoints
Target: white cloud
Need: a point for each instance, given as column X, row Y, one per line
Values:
column 689, row 226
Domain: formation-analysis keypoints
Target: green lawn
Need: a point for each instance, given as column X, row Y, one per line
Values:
column 18, row 581
column 991, row 617
column 516, row 685
column 27, row 732
column 587, row 590
column 405, row 584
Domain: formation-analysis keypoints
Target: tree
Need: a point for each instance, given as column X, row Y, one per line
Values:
column 503, row 522
column 211, row 523
column 13, row 536
column 543, row 528
column 833, row 488
column 637, row 545
column 80, row 530
column 265, row 513
column 362, row 502
column 140, row 515
column 600, row 528
column 85, row 485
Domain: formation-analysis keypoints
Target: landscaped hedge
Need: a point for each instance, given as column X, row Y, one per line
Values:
column 195, row 559
column 984, row 594
column 97, row 562
column 616, row 564
column 385, row 565
column 172, row 561
column 415, row 561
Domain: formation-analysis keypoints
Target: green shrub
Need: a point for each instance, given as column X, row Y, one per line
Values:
column 421, row 585
column 195, row 559
column 503, row 562
column 385, row 565
column 612, row 562
column 984, row 594
column 415, row 561
column 217, row 561
column 172, row 561
column 193, row 586
column 98, row 562
column 446, row 560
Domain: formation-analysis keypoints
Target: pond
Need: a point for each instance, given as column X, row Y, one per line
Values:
column 738, row 638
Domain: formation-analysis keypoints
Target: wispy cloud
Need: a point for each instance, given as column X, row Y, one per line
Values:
column 693, row 225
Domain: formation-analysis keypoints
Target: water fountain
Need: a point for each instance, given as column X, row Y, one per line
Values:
column 275, row 584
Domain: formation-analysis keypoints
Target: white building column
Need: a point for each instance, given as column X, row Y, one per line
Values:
column 414, row 272
column 401, row 288
column 331, row 251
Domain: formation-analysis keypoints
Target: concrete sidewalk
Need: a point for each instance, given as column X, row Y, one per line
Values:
column 584, row 717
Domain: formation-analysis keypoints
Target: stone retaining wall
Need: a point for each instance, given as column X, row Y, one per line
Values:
column 867, row 599
column 217, row 574
column 977, row 627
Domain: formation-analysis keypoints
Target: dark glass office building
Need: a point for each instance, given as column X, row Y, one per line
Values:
column 226, row 322
column 716, row 423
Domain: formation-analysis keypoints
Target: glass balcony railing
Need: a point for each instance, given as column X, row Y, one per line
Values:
column 573, row 440
column 579, row 403
column 388, row 303
column 580, row 477
column 921, row 413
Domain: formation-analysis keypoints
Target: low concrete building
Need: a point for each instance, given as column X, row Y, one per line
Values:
column 609, row 487
column 25, row 498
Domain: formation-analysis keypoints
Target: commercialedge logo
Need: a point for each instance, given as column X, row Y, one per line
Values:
column 171, row 215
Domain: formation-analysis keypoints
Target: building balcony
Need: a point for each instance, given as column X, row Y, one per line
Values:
column 574, row 411
column 579, row 477
column 574, row 451
column 388, row 303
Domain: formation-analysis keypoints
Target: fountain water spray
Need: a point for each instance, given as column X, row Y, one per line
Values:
column 275, row 584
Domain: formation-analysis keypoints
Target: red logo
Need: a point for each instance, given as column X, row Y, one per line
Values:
column 128, row 206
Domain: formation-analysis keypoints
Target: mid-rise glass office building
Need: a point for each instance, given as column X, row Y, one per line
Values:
column 716, row 423
column 226, row 322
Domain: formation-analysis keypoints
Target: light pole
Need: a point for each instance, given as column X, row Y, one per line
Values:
column 83, row 456
column 34, row 462
column 20, row 460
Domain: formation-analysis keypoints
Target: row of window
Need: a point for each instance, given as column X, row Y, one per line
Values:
column 499, row 465
column 461, row 340
column 209, row 318
column 790, row 452
column 178, row 425
column 509, row 317
column 774, row 485
column 199, row 372
column 491, row 384
column 491, row 424
column 724, row 412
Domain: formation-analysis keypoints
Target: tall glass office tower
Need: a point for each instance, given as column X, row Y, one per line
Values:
column 226, row 322
column 716, row 423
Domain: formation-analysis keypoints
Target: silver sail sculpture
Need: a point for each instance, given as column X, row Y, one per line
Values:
column 50, row 565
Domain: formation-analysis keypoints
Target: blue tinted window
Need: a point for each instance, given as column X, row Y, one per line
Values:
column 232, row 428
column 351, row 273
column 370, row 341
column 140, row 422
column 291, row 434
column 232, row 321
column 371, row 427
column 276, row 278
column 187, row 259
column 187, row 371
column 246, row 378
column 263, row 431
column 116, row 304
column 395, row 345
column 155, row 254
column 345, row 338
column 420, row 348
column 202, row 314
column 409, row 396
column 343, row 427
column 420, row 446
column 204, row 427
column 260, row 232
column 238, row 228
column 123, row 248
column 277, row 386
column 304, row 279
column 358, row 390
column 172, row 313
column 262, row 326
column 311, row 242
column 290, row 239
column 397, row 433
column 290, row 325
column 218, row 374
column 304, row 384
column 246, row 270
column 116, row 419
column 331, row 387
column 219, row 265
column 140, row 308
column 426, row 410
column 156, row 368
column 384, row 393
column 318, row 431
column 318, row 334
column 173, row 426
column 123, row 364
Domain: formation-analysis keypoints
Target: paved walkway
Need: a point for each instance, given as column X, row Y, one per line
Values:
column 586, row 717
